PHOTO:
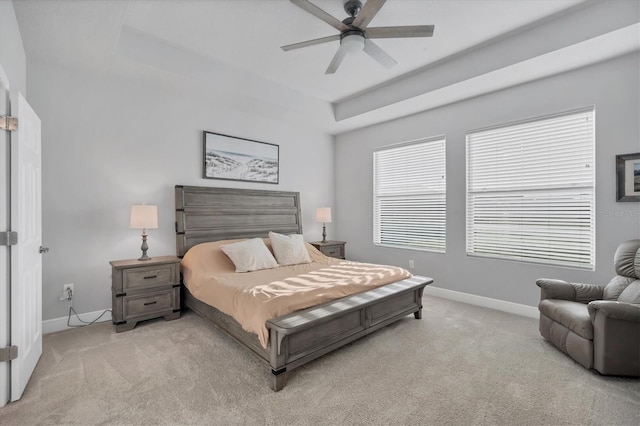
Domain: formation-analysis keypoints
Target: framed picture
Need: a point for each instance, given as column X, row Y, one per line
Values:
column 628, row 177
column 232, row 158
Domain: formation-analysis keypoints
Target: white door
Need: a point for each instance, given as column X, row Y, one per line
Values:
column 26, row 260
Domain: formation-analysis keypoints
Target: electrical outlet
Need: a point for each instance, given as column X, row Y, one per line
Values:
column 67, row 292
column 411, row 265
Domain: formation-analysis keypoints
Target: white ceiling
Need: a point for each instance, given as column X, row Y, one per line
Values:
column 240, row 40
column 248, row 35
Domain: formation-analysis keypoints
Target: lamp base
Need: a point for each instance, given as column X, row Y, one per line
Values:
column 144, row 247
column 324, row 233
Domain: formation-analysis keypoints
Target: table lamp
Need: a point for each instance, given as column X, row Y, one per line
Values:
column 323, row 214
column 144, row 216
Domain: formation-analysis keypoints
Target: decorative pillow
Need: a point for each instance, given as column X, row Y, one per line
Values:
column 250, row 255
column 289, row 249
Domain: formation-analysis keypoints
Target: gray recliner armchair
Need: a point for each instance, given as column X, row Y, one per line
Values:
column 597, row 326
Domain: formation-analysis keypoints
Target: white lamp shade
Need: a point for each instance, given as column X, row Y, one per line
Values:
column 143, row 216
column 323, row 214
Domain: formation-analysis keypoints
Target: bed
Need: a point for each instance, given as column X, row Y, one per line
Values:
column 206, row 215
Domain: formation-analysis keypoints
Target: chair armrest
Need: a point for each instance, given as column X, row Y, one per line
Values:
column 555, row 289
column 615, row 310
column 575, row 292
column 616, row 337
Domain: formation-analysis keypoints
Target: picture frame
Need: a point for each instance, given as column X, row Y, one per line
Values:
column 628, row 177
column 233, row 158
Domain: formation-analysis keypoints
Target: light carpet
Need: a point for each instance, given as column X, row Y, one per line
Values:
column 459, row 365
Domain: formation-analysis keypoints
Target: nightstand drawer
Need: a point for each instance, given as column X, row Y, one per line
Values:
column 150, row 303
column 331, row 248
column 149, row 276
column 333, row 251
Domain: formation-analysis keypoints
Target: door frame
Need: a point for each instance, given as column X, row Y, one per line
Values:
column 5, row 251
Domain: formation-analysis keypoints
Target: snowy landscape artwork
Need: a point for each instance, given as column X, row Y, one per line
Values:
column 232, row 158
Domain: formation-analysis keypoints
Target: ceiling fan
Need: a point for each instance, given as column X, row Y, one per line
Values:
column 354, row 35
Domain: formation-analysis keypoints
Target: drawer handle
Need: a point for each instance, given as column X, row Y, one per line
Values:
column 151, row 303
column 150, row 277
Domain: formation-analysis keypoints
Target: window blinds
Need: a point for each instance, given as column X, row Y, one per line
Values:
column 530, row 191
column 409, row 195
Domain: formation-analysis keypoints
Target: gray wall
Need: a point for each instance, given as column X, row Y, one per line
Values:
column 109, row 142
column 12, row 55
column 612, row 86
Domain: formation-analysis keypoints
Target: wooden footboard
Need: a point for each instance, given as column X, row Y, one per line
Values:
column 302, row 336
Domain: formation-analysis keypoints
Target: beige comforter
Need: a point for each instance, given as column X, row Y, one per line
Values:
column 252, row 298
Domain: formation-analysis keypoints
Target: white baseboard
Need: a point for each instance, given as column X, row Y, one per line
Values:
column 59, row 324
column 485, row 302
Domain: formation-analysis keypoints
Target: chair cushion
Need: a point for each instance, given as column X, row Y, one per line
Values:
column 573, row 315
column 627, row 259
column 616, row 286
column 631, row 294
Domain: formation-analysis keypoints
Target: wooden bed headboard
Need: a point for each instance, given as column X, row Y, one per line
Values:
column 205, row 214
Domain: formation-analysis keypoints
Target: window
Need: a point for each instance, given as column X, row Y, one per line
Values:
column 409, row 195
column 530, row 191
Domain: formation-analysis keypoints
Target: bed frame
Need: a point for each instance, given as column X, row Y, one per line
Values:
column 205, row 214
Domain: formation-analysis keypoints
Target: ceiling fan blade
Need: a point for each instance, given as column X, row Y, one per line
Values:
column 378, row 54
column 367, row 13
column 398, row 32
column 337, row 60
column 310, row 42
column 321, row 14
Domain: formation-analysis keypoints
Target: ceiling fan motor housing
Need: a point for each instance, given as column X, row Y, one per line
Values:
column 352, row 31
column 352, row 7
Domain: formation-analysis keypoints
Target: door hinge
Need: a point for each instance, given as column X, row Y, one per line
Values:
column 8, row 238
column 8, row 123
column 8, row 353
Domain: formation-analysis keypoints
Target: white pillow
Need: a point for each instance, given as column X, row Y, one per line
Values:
column 289, row 249
column 250, row 255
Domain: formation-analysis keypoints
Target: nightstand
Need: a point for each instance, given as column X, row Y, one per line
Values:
column 330, row 248
column 143, row 290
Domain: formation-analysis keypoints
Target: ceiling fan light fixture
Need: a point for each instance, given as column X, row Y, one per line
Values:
column 353, row 43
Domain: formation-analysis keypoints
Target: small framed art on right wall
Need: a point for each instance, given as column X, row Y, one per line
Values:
column 628, row 177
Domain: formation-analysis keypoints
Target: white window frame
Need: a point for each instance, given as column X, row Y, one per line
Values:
column 409, row 195
column 531, row 190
